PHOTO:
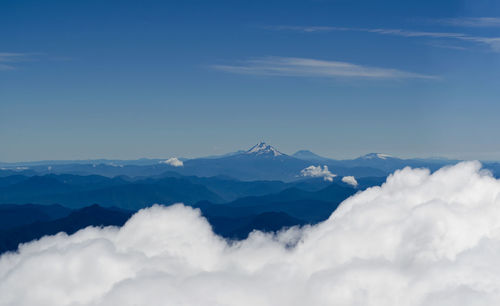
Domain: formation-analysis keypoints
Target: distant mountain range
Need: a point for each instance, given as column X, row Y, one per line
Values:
column 256, row 189
column 299, row 203
column 309, row 206
column 260, row 162
column 50, row 223
column 34, row 206
column 76, row 191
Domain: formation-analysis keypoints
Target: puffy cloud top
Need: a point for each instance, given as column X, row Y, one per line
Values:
column 173, row 161
column 419, row 239
column 350, row 180
column 317, row 171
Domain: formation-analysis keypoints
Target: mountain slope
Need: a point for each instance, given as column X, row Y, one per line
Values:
column 307, row 206
column 261, row 162
column 309, row 156
column 88, row 216
column 80, row 191
column 240, row 227
column 17, row 215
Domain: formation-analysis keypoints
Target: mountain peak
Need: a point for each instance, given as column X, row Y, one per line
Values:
column 263, row 148
column 376, row 156
column 308, row 155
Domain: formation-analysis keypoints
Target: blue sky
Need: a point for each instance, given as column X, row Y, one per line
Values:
column 129, row 79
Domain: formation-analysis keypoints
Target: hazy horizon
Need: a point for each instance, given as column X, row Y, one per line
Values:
column 290, row 153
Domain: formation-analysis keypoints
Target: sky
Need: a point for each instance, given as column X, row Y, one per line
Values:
column 130, row 79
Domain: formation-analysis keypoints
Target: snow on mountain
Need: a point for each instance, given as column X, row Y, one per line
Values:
column 263, row 149
column 376, row 156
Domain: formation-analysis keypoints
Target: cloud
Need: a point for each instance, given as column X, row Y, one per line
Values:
column 7, row 59
column 173, row 161
column 471, row 21
column 307, row 29
column 420, row 239
column 395, row 32
column 317, row 171
column 444, row 45
column 350, row 180
column 307, row 67
column 492, row 42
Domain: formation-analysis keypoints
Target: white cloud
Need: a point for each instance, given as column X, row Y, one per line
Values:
column 307, row 29
column 350, row 180
column 173, row 161
column 492, row 42
column 471, row 21
column 8, row 58
column 445, row 45
column 307, row 67
column 317, row 171
column 420, row 239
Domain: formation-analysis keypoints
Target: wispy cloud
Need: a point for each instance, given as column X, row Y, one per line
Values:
column 406, row 33
column 306, row 29
column 444, row 45
column 492, row 42
column 8, row 59
column 382, row 31
column 479, row 22
column 307, row 67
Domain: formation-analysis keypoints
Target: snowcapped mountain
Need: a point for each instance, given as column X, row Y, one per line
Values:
column 263, row 148
column 376, row 156
column 260, row 162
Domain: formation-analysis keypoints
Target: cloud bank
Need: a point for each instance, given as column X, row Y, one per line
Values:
column 307, row 67
column 173, row 161
column 420, row 239
column 317, row 171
